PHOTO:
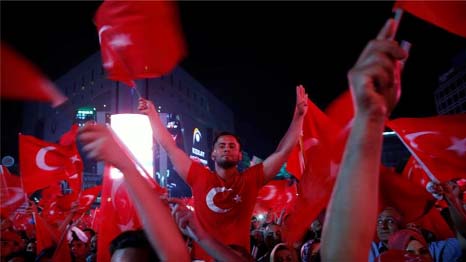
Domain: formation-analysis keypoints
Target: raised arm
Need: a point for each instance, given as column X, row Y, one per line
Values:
column 180, row 160
column 161, row 229
column 453, row 196
column 273, row 163
column 375, row 86
column 188, row 224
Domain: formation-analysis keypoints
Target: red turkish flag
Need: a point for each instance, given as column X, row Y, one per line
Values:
column 22, row 80
column 139, row 39
column 12, row 195
column 322, row 146
column 438, row 144
column 449, row 15
column 43, row 163
column 414, row 172
column 408, row 197
column 118, row 211
column 341, row 110
column 48, row 236
column 319, row 145
column 74, row 173
column 276, row 195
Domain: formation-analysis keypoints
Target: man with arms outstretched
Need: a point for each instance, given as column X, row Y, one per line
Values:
column 224, row 199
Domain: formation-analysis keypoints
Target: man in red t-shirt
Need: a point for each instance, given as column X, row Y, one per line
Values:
column 224, row 200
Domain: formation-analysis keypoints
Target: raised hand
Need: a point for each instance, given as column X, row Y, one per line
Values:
column 375, row 78
column 301, row 100
column 101, row 144
column 146, row 106
column 185, row 219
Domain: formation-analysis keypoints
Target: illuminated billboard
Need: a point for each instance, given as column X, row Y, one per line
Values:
column 135, row 132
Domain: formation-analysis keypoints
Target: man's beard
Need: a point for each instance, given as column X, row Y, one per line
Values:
column 226, row 164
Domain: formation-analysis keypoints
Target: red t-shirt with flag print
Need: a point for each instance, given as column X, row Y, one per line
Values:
column 224, row 207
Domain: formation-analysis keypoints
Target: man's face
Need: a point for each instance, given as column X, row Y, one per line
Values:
column 388, row 223
column 226, row 152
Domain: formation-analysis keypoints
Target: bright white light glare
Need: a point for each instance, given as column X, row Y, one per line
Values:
column 135, row 132
column 389, row 133
column 260, row 216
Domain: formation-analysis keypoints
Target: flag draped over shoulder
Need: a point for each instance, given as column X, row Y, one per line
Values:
column 22, row 80
column 139, row 39
column 449, row 15
column 437, row 143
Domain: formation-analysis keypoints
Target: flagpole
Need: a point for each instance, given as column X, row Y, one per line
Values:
column 397, row 19
column 137, row 91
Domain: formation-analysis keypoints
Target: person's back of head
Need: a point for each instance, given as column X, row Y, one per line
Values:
column 282, row 253
column 132, row 245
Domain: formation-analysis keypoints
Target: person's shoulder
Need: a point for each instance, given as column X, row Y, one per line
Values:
column 445, row 250
column 253, row 169
column 446, row 242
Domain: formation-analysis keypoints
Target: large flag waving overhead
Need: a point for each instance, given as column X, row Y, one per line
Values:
column 43, row 163
column 449, row 15
column 139, row 39
column 22, row 80
column 438, row 144
column 319, row 157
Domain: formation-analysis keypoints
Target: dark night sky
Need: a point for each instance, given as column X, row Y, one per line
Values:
column 251, row 55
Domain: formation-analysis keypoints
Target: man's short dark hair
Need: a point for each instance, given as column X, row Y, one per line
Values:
column 226, row 133
column 134, row 239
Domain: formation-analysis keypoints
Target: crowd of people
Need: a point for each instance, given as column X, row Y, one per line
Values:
column 225, row 230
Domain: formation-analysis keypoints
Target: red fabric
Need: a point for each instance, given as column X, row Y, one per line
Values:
column 449, row 15
column 435, row 223
column 438, row 143
column 319, row 144
column 139, row 39
column 276, row 195
column 43, row 163
column 401, row 238
column 323, row 142
column 414, row 172
column 412, row 200
column 399, row 256
column 341, row 110
column 75, row 174
column 22, row 80
column 117, row 211
column 47, row 236
column 224, row 208
column 12, row 195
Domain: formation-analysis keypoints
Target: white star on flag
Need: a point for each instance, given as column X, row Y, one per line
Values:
column 237, row 198
column 120, row 40
column 74, row 158
column 458, row 145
